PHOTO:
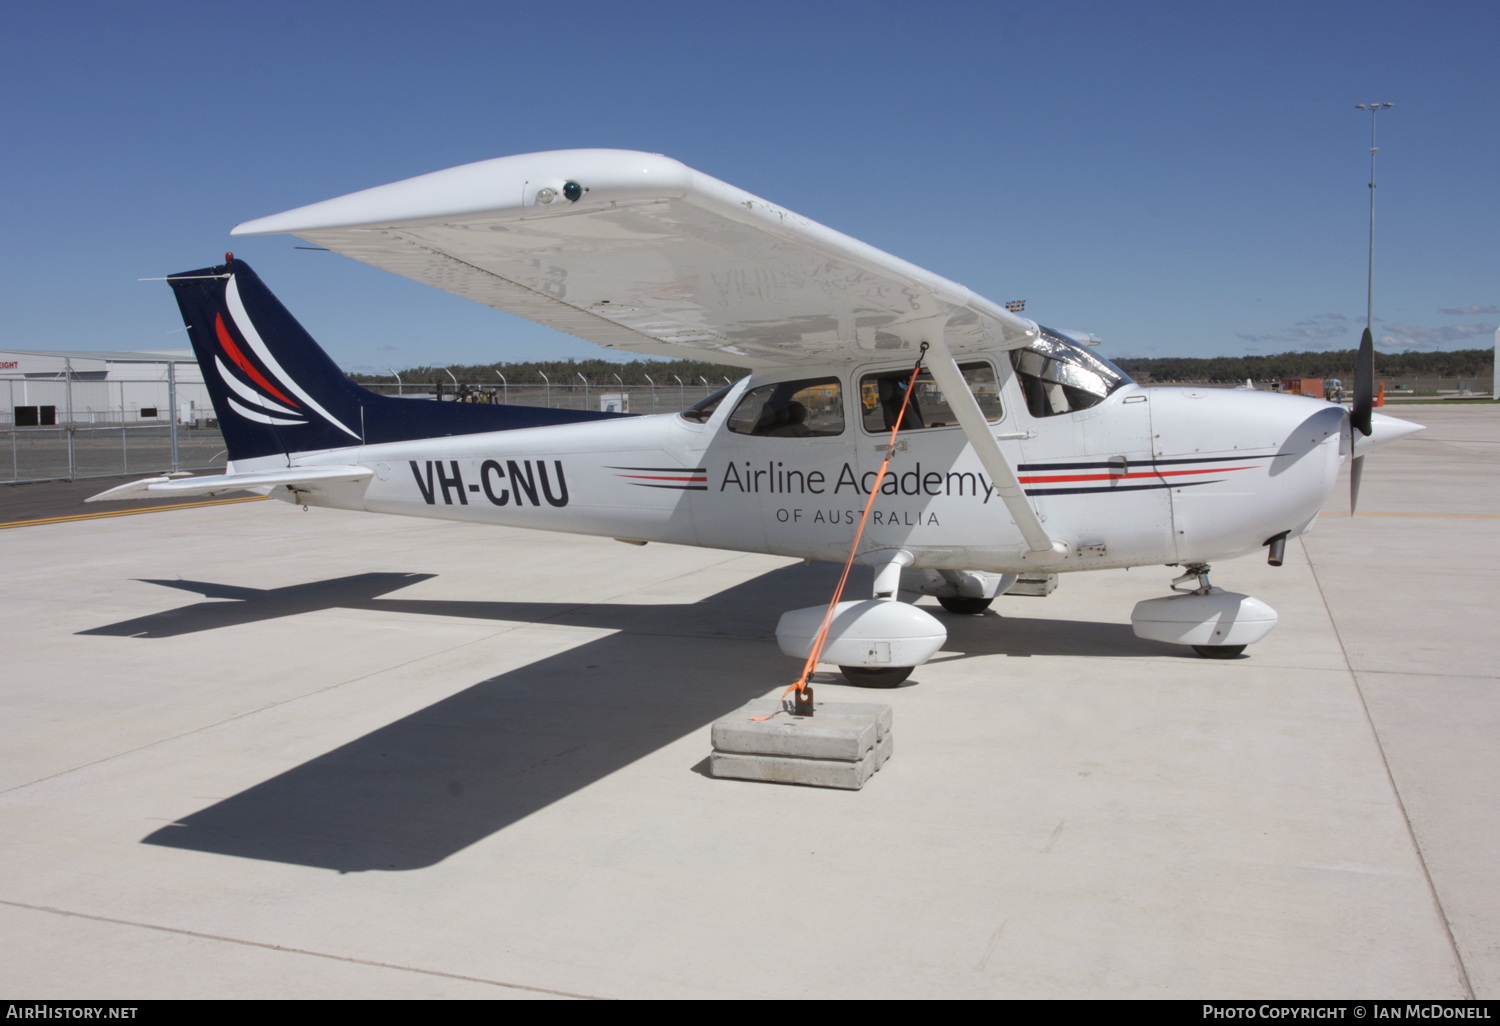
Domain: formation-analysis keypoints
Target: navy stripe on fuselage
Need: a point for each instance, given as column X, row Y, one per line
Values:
column 1119, row 488
column 1143, row 463
column 665, row 470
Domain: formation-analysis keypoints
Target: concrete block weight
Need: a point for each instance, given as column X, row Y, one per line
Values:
column 841, row 745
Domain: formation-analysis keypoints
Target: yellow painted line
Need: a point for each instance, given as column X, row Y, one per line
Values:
column 1460, row 516
column 131, row 512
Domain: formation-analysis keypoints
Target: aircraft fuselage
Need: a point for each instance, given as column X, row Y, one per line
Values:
column 1145, row 477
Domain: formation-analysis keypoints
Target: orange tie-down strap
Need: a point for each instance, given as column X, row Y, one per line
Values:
column 822, row 637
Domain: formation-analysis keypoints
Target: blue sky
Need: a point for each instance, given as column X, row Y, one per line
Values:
column 1182, row 179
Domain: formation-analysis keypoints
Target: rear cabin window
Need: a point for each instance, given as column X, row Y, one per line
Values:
column 810, row 408
column 880, row 398
column 1059, row 376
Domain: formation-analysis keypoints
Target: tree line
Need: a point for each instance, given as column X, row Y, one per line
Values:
column 598, row 373
column 1339, row 363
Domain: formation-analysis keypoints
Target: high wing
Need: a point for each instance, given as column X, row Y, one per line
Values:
column 636, row 251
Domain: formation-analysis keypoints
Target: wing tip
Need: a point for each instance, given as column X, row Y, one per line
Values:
column 483, row 187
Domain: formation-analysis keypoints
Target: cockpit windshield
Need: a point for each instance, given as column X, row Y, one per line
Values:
column 1060, row 376
column 703, row 409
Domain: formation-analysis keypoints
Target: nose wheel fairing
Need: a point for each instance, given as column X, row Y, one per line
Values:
column 1215, row 618
column 1217, row 624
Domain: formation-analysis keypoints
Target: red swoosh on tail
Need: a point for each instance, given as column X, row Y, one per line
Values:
column 245, row 365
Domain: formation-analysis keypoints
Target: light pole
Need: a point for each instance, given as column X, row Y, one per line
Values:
column 1374, row 109
column 72, row 454
column 585, row 388
column 505, row 387
column 549, row 387
column 171, row 401
column 398, row 379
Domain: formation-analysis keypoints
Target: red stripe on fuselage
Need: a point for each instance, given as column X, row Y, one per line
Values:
column 243, row 364
column 1121, row 477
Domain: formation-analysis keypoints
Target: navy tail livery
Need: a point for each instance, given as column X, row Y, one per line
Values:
column 277, row 393
column 1022, row 451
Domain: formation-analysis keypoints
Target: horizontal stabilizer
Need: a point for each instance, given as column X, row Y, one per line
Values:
column 218, row 484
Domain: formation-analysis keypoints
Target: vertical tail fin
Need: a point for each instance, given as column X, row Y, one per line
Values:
column 277, row 393
column 274, row 390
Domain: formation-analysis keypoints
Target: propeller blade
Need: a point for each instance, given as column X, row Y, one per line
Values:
column 1356, row 469
column 1364, row 386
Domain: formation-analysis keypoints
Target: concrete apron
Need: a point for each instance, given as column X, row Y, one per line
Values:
column 359, row 782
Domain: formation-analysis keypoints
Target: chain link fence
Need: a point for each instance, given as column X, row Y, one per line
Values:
column 663, row 398
column 67, row 429
column 1436, row 386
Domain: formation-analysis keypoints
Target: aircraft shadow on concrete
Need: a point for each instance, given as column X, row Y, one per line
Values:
column 1018, row 637
column 725, row 615
column 430, row 784
column 716, row 617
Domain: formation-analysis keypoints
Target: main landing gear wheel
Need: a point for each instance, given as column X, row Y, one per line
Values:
column 1218, row 651
column 964, row 606
column 876, row 676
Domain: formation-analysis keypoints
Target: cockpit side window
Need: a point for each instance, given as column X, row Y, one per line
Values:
column 880, row 397
column 703, row 409
column 1060, row 376
column 809, row 408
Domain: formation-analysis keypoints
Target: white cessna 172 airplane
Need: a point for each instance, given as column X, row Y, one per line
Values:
column 1020, row 450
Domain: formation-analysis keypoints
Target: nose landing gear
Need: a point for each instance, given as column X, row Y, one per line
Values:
column 1197, row 572
column 1215, row 623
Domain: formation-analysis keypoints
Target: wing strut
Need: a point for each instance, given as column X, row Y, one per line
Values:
column 1042, row 549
